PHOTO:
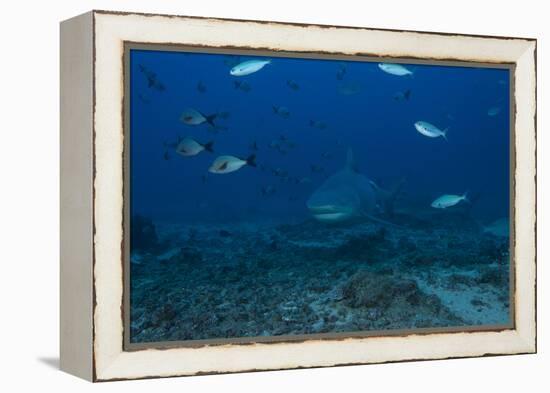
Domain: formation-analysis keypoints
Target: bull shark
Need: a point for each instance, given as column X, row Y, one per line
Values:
column 347, row 195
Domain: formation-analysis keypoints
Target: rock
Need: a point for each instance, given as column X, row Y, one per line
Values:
column 364, row 247
column 405, row 244
column 186, row 256
column 477, row 302
column 143, row 234
column 496, row 277
column 395, row 301
column 367, row 289
column 457, row 280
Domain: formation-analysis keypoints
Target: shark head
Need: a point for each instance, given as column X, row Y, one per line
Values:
column 343, row 196
column 332, row 203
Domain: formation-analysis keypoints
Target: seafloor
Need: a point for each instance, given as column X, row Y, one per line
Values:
column 213, row 281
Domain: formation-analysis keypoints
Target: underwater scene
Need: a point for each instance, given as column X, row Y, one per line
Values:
column 283, row 196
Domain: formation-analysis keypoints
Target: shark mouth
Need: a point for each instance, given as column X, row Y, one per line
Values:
column 330, row 213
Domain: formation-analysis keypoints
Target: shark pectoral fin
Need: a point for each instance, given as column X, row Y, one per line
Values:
column 380, row 221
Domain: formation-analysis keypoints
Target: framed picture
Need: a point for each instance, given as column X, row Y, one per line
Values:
column 245, row 195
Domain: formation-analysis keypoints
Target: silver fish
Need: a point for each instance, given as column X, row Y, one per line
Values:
column 429, row 130
column 281, row 111
column 449, row 200
column 193, row 117
column 228, row 164
column 394, row 69
column 249, row 67
column 189, row 147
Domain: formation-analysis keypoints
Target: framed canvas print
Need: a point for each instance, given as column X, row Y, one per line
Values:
column 245, row 195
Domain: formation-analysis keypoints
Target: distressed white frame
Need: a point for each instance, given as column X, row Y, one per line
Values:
column 111, row 30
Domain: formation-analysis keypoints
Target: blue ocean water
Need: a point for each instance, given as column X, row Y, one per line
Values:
column 329, row 107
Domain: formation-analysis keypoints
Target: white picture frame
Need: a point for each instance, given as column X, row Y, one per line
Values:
column 92, row 194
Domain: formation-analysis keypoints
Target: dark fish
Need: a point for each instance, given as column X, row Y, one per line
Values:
column 402, row 95
column 166, row 156
column 254, row 146
column 290, row 145
column 317, row 169
column 279, row 172
column 341, row 72
column 293, row 85
column 281, row 111
column 317, row 124
column 201, row 87
column 242, row 86
column 152, row 81
column 268, row 190
column 150, row 75
column 276, row 145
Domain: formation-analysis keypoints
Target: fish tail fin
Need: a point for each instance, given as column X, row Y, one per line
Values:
column 251, row 160
column 275, row 109
column 236, row 84
column 208, row 146
column 407, row 94
column 444, row 134
column 311, row 123
column 210, row 119
column 465, row 197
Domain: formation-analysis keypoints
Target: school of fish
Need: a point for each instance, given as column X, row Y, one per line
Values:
column 344, row 195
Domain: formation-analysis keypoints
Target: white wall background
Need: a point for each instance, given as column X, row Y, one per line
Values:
column 29, row 195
